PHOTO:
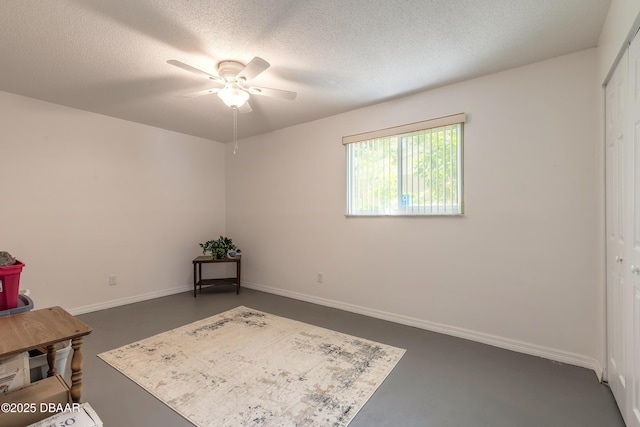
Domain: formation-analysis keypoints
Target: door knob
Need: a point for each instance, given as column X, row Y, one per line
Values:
column 619, row 259
column 635, row 269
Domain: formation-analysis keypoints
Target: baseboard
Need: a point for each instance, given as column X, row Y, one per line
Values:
column 600, row 373
column 128, row 300
column 496, row 341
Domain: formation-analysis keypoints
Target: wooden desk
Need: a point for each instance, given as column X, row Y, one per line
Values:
column 199, row 281
column 44, row 328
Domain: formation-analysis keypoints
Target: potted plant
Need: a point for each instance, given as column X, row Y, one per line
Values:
column 219, row 248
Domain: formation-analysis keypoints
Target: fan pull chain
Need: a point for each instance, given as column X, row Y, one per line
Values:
column 235, row 130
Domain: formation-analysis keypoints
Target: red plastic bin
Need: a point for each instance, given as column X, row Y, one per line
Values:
column 10, row 285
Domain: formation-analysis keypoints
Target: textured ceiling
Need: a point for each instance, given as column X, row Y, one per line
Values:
column 109, row 56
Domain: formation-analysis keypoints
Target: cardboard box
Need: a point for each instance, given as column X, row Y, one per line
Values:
column 35, row 402
column 80, row 416
column 14, row 373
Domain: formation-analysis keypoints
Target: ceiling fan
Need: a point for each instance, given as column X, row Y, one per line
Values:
column 235, row 77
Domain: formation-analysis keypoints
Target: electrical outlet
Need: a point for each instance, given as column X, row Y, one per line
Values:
column 320, row 278
column 113, row 280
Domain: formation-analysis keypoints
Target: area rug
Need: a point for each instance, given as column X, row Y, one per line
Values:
column 247, row 367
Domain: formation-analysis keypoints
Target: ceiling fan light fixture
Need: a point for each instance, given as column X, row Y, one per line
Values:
column 232, row 96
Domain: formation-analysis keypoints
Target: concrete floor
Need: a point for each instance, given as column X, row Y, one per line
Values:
column 441, row 381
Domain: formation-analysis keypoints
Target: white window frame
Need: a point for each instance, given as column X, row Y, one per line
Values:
column 400, row 132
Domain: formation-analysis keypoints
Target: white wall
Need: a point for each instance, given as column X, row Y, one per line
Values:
column 83, row 196
column 518, row 270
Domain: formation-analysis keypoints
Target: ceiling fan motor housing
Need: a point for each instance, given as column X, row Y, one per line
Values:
column 228, row 70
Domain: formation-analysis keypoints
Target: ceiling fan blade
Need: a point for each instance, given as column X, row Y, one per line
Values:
column 253, row 68
column 194, row 70
column 201, row 93
column 275, row 93
column 246, row 108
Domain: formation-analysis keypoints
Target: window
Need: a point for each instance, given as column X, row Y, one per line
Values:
column 414, row 169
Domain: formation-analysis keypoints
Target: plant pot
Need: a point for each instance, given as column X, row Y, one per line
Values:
column 10, row 285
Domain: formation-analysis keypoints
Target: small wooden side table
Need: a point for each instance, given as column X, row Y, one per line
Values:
column 44, row 328
column 199, row 281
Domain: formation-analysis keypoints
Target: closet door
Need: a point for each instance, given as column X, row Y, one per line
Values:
column 633, row 295
column 617, row 180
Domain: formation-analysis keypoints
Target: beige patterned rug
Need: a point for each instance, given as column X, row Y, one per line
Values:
column 247, row 367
